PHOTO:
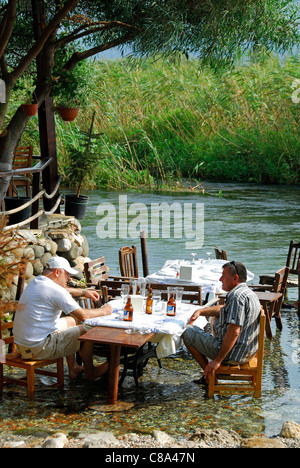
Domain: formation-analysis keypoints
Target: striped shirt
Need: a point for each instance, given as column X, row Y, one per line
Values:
column 242, row 308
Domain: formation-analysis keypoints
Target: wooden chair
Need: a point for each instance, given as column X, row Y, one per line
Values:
column 220, row 254
column 192, row 294
column 32, row 367
column 128, row 262
column 22, row 159
column 279, row 285
column 293, row 263
column 95, row 271
column 243, row 378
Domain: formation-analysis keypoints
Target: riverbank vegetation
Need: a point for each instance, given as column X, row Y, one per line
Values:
column 163, row 122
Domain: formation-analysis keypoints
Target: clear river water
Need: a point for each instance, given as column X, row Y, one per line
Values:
column 254, row 224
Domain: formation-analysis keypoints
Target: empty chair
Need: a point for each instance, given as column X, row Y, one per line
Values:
column 128, row 262
column 279, row 286
column 95, row 271
column 220, row 254
column 191, row 293
column 241, row 378
column 293, row 263
column 22, row 159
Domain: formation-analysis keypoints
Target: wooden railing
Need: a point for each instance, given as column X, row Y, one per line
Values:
column 37, row 194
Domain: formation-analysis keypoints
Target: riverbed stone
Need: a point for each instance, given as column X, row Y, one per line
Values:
column 162, row 438
column 218, row 435
column 290, row 430
column 100, row 440
column 261, row 442
column 59, row 440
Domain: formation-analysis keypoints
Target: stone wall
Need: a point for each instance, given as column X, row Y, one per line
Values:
column 59, row 237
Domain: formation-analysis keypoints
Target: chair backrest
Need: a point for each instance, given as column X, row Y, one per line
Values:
column 112, row 288
column 220, row 254
column 190, row 293
column 95, row 271
column 280, row 281
column 293, row 258
column 128, row 262
column 22, row 157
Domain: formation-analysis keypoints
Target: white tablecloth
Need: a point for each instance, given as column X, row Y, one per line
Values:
column 206, row 274
column 168, row 329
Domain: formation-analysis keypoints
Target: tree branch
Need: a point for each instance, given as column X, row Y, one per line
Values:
column 39, row 44
column 7, row 24
column 99, row 26
column 79, row 56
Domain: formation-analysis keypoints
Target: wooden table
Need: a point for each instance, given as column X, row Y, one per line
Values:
column 115, row 338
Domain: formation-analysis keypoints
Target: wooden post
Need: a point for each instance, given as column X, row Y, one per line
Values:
column 144, row 253
column 48, row 150
column 46, row 116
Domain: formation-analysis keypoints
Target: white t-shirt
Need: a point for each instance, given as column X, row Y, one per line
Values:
column 39, row 310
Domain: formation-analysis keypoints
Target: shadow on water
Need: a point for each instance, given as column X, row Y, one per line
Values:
column 254, row 224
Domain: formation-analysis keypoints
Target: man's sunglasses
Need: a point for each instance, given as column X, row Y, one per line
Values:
column 235, row 266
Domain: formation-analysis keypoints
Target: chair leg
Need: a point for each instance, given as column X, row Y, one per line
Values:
column 211, row 386
column 30, row 382
column 60, row 374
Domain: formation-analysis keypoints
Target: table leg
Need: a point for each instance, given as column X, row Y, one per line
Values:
column 268, row 322
column 113, row 379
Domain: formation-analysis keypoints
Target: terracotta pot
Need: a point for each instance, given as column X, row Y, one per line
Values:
column 68, row 114
column 30, row 109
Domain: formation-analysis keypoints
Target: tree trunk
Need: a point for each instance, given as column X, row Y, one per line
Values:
column 8, row 140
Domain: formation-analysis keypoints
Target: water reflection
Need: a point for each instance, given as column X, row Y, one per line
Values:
column 255, row 225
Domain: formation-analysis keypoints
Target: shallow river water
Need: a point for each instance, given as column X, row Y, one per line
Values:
column 254, row 224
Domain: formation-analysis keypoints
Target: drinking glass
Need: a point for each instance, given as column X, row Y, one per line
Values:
column 193, row 257
column 142, row 285
column 124, row 292
column 156, row 296
column 208, row 255
column 179, row 293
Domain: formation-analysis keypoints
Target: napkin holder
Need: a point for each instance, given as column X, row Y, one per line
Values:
column 186, row 273
column 137, row 302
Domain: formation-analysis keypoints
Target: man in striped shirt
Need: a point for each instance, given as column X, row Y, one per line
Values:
column 235, row 326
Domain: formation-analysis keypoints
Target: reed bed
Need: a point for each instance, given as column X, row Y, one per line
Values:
column 163, row 122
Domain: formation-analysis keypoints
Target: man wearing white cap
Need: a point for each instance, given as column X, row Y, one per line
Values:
column 39, row 330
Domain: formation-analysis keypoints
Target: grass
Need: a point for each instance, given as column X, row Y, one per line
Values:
column 163, row 122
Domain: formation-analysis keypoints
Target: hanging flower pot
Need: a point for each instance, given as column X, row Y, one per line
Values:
column 30, row 109
column 68, row 114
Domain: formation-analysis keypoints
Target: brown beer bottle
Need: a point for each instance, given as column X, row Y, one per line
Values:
column 149, row 302
column 128, row 311
column 130, row 290
column 138, row 290
column 171, row 306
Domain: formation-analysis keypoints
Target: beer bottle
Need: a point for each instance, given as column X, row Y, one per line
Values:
column 128, row 311
column 130, row 290
column 149, row 302
column 171, row 306
column 138, row 290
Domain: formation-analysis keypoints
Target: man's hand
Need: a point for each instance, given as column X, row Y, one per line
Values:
column 194, row 317
column 92, row 294
column 211, row 368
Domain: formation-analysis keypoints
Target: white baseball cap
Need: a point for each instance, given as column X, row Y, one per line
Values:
column 61, row 262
